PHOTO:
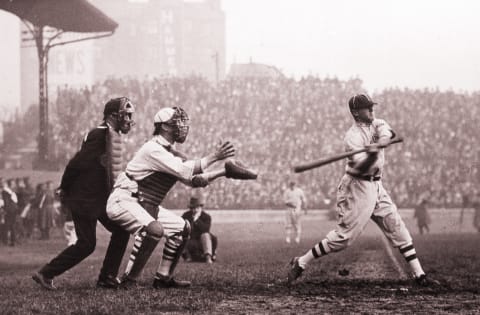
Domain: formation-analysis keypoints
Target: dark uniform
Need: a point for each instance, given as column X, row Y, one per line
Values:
column 422, row 216
column 196, row 249
column 86, row 187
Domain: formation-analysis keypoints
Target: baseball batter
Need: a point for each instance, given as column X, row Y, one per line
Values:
column 361, row 196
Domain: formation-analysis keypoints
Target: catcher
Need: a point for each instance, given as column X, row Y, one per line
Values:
column 139, row 191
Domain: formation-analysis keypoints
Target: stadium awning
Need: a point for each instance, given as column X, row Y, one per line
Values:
column 77, row 16
column 66, row 15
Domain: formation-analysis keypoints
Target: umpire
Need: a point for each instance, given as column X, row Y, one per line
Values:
column 85, row 187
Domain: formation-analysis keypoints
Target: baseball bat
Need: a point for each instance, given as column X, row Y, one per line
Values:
column 308, row 166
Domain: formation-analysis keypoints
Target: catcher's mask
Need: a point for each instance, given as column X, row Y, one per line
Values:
column 177, row 121
column 179, row 124
column 122, row 110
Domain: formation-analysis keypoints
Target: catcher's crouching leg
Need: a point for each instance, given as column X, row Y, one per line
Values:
column 145, row 243
column 237, row 170
column 172, row 252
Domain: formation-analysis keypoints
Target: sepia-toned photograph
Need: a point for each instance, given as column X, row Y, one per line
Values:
column 239, row 157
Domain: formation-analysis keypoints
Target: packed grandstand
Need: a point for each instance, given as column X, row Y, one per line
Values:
column 276, row 123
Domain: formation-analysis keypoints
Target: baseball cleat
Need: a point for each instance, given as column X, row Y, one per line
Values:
column 208, row 259
column 295, row 271
column 108, row 282
column 128, row 283
column 425, row 281
column 46, row 283
column 164, row 282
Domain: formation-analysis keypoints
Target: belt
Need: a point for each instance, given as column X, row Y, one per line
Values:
column 137, row 194
column 370, row 178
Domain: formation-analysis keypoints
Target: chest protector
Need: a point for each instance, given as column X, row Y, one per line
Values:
column 153, row 189
column 115, row 156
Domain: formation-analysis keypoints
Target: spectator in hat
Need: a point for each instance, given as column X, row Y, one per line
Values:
column 202, row 244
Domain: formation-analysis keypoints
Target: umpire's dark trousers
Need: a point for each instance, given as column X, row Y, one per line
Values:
column 85, row 216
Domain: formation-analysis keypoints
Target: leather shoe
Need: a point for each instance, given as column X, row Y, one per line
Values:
column 163, row 282
column 425, row 281
column 108, row 282
column 295, row 271
column 46, row 283
column 128, row 283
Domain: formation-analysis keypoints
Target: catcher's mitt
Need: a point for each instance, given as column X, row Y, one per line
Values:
column 237, row 170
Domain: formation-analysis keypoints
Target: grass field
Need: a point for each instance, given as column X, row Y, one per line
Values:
column 249, row 276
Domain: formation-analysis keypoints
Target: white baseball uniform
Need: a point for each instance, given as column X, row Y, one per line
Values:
column 294, row 199
column 361, row 197
column 153, row 156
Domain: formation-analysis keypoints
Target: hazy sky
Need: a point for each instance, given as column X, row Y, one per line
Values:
column 422, row 43
column 386, row 43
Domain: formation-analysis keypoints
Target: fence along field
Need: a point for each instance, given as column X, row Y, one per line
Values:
column 250, row 273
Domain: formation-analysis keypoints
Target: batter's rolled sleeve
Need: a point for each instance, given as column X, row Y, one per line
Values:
column 383, row 129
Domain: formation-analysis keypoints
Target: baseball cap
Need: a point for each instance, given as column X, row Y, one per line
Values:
column 360, row 101
column 112, row 106
column 115, row 105
column 164, row 115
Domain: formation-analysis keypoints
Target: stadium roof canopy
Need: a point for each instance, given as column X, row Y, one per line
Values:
column 47, row 21
column 66, row 15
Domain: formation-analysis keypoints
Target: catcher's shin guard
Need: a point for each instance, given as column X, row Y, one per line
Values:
column 139, row 257
column 174, row 247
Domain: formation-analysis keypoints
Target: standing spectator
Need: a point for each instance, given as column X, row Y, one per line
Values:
column 3, row 227
column 294, row 198
column 465, row 205
column 422, row 216
column 476, row 208
column 37, row 202
column 27, row 213
column 22, row 202
column 45, row 212
column 11, row 208
column 202, row 245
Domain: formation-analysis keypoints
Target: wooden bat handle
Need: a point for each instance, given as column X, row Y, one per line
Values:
column 307, row 166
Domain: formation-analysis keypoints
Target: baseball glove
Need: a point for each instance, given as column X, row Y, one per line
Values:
column 237, row 170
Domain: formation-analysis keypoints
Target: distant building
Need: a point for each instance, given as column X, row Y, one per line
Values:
column 254, row 70
column 154, row 38
column 9, row 65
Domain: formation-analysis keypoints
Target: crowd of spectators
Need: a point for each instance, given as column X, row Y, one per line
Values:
column 27, row 212
column 276, row 123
